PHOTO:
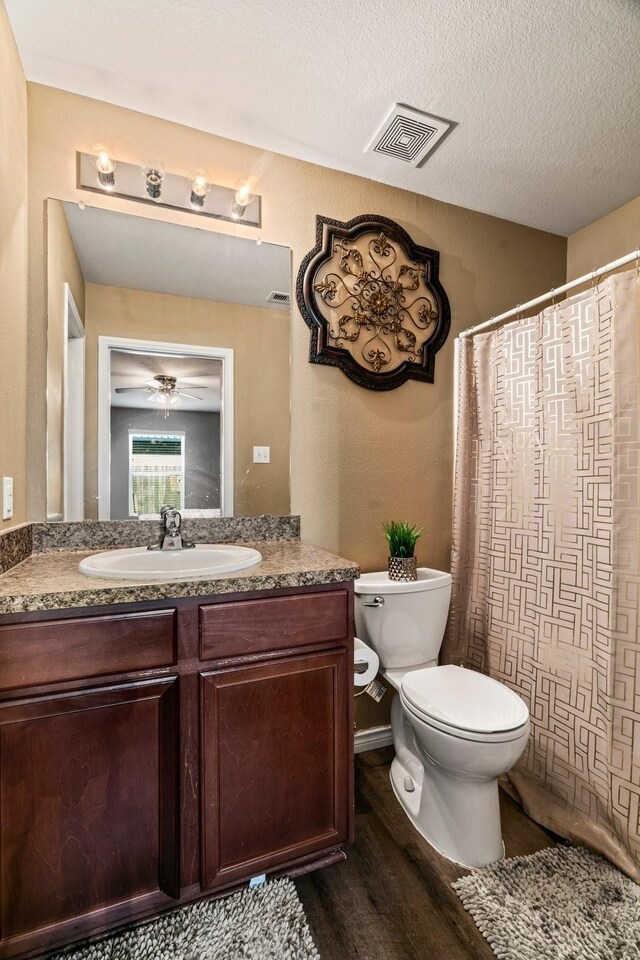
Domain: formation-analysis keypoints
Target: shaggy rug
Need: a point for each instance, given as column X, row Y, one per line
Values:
column 266, row 923
column 563, row 903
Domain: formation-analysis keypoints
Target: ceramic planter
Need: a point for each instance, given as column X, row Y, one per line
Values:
column 403, row 568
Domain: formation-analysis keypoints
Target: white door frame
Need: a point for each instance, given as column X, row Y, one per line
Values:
column 73, row 410
column 224, row 355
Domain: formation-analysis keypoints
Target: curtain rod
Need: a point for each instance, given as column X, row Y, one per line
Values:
column 495, row 321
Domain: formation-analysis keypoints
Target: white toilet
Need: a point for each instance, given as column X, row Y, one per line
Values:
column 455, row 731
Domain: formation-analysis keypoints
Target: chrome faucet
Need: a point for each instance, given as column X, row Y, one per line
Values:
column 172, row 536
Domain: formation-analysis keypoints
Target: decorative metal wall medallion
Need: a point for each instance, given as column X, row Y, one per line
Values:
column 373, row 302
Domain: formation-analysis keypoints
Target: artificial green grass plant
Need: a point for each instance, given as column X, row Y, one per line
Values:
column 401, row 538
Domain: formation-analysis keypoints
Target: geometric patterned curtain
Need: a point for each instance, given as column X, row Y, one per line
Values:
column 546, row 553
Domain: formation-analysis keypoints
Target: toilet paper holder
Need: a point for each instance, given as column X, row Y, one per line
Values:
column 365, row 664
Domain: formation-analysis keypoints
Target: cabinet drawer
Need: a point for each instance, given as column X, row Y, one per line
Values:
column 277, row 623
column 48, row 652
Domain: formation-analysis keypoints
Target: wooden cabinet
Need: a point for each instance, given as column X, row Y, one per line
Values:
column 275, row 763
column 154, row 754
column 88, row 804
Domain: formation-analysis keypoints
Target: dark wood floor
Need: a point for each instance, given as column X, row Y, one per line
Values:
column 392, row 898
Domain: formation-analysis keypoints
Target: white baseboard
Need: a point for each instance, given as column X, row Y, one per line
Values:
column 372, row 739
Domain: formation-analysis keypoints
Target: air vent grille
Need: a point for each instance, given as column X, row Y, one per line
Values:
column 277, row 296
column 409, row 135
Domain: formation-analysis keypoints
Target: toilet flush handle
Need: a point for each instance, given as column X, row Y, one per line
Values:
column 376, row 602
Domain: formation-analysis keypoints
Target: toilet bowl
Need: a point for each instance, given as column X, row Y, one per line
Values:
column 455, row 731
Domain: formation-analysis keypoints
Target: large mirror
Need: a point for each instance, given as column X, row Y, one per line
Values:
column 167, row 369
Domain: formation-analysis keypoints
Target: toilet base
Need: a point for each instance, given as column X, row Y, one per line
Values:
column 439, row 826
column 459, row 817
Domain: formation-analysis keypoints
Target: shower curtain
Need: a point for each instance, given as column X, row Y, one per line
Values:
column 546, row 553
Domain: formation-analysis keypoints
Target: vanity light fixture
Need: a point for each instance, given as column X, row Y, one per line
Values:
column 195, row 193
column 242, row 199
column 200, row 186
column 105, row 165
column 153, row 171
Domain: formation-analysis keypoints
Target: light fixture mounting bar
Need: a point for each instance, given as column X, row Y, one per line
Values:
column 218, row 203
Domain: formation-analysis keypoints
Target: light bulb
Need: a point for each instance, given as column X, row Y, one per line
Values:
column 200, row 186
column 103, row 160
column 174, row 399
column 242, row 199
column 153, row 171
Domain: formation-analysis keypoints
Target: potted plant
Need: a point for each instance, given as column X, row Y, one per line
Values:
column 402, row 538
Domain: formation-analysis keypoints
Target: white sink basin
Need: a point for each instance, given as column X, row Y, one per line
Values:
column 138, row 563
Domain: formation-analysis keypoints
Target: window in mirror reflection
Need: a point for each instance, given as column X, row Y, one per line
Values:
column 156, row 472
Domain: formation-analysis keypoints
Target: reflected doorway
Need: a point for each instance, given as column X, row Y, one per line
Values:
column 165, row 429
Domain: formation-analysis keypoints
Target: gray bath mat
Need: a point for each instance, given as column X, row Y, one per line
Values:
column 266, row 923
column 563, row 903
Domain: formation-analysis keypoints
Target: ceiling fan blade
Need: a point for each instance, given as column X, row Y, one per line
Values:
column 189, row 395
column 130, row 390
column 189, row 386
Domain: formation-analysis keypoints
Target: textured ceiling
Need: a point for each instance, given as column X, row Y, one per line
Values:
column 120, row 250
column 545, row 95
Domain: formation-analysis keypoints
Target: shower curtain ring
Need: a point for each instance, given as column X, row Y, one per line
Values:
column 594, row 276
column 638, row 262
column 553, row 297
column 519, row 312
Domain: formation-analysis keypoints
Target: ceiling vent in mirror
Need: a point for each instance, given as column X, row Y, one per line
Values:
column 278, row 297
column 409, row 135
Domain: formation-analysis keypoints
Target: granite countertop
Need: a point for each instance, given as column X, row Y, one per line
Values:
column 52, row 581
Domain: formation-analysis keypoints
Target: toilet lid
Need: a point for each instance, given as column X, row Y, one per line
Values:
column 464, row 699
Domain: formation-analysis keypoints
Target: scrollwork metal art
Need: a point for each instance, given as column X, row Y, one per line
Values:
column 373, row 302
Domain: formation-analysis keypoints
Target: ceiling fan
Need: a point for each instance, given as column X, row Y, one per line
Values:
column 163, row 390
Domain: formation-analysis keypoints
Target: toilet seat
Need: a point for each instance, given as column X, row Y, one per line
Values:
column 464, row 703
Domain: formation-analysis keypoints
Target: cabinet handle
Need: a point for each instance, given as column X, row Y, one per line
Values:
column 376, row 602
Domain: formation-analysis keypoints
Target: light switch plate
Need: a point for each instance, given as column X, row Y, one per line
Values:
column 7, row 498
column 262, row 454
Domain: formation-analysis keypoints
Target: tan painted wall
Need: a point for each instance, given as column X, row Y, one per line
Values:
column 357, row 456
column 13, row 270
column 605, row 240
column 62, row 267
column 259, row 338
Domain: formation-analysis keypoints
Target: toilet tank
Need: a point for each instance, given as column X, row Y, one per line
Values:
column 403, row 622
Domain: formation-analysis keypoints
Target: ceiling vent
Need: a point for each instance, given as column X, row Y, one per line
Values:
column 409, row 135
column 277, row 297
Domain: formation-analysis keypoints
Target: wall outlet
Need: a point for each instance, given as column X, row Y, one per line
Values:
column 7, row 498
column 262, row 454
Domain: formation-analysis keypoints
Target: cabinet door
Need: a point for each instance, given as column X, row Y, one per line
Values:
column 275, row 764
column 88, row 805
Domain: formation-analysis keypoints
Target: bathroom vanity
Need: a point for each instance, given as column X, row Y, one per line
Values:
column 164, row 742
